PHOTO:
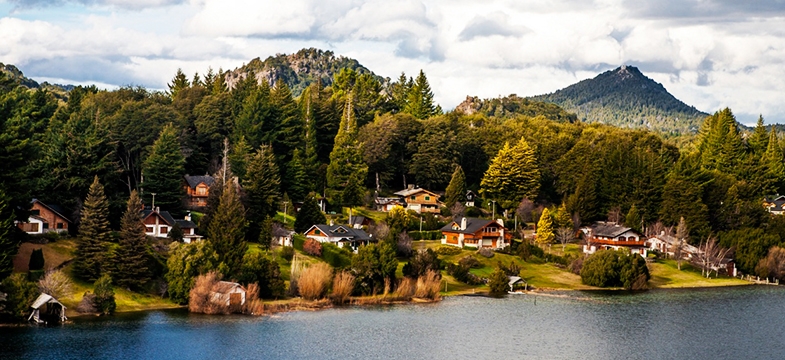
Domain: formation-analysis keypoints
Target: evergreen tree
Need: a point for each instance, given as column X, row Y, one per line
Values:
column 164, row 169
column 399, row 93
column 633, row 219
column 346, row 158
column 239, row 158
column 545, row 233
column 213, row 200
column 262, row 187
column 256, row 119
column 131, row 265
column 310, row 160
column 585, row 200
column 512, row 175
column 419, row 101
column 309, row 215
column 94, row 232
column 774, row 162
column 288, row 126
column 179, row 82
column 104, row 295
column 9, row 245
column 227, row 230
column 456, row 190
column 297, row 181
column 759, row 140
column 563, row 218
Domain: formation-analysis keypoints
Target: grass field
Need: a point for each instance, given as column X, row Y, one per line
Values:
column 55, row 254
column 665, row 274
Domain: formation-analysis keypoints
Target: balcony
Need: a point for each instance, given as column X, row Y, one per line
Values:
column 617, row 243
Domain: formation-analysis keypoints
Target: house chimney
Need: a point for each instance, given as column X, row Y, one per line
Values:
column 662, row 233
column 332, row 222
column 463, row 224
column 500, row 221
column 188, row 216
column 158, row 209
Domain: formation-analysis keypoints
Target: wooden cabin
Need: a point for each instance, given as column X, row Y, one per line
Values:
column 46, row 309
column 159, row 223
column 197, row 189
column 228, row 294
column 420, row 200
column 612, row 236
column 477, row 233
column 44, row 218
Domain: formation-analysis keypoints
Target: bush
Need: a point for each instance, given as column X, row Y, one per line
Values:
column 470, row 262
column 87, row 304
column 448, row 250
column 773, row 265
column 335, row 256
column 259, row 269
column 426, row 235
column 298, row 241
column 473, row 211
column 422, row 262
column 200, row 299
column 510, row 270
column 36, row 260
column 343, row 286
column 462, row 274
column 404, row 244
column 104, row 295
column 253, row 306
column 486, row 252
column 498, row 283
column 615, row 268
column 526, row 251
column 314, row 281
column 55, row 283
column 312, row 247
column 428, row 286
column 576, row 265
column 405, row 289
column 287, row 253
column 20, row 295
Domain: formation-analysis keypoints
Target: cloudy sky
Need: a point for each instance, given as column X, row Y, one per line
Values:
column 708, row 53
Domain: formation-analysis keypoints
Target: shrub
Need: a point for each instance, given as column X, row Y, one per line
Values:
column 615, row 268
column 470, row 262
column 486, row 252
column 576, row 265
column 498, row 283
column 104, row 295
column 526, row 250
column 448, row 250
column 253, row 305
column 773, row 265
column 422, row 262
column 260, row 269
column 55, row 283
column 406, row 288
column 510, row 270
column 335, row 256
column 200, row 299
column 287, row 253
column 312, row 247
column 428, row 286
column 404, row 244
column 298, row 241
column 36, row 260
column 343, row 286
column 314, row 281
column 87, row 304
column 462, row 274
column 472, row 211
column 426, row 235
column 20, row 294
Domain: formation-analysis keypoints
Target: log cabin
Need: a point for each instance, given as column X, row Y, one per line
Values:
column 197, row 189
column 477, row 233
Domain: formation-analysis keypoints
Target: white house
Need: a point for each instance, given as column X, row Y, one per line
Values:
column 603, row 235
column 339, row 235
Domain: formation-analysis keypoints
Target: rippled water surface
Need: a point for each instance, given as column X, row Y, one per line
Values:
column 730, row 323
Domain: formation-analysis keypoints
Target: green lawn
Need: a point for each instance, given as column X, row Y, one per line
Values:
column 665, row 274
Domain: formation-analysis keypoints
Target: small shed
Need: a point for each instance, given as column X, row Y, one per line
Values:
column 228, row 294
column 517, row 283
column 47, row 307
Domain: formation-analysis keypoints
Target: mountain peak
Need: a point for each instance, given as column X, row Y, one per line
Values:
column 626, row 97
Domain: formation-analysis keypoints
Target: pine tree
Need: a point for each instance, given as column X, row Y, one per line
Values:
column 213, row 200
column 346, row 158
column 633, row 219
column 545, row 233
column 311, row 158
column 309, row 215
column 419, row 102
column 131, row 265
column 288, row 126
column 239, row 158
column 227, row 230
column 262, row 187
column 94, row 232
column 759, row 140
column 298, row 183
column 164, row 169
column 512, row 175
column 774, row 162
column 563, row 218
column 256, row 118
column 179, row 82
column 9, row 245
column 456, row 190
column 399, row 93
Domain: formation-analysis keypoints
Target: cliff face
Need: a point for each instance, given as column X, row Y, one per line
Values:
column 625, row 97
column 297, row 70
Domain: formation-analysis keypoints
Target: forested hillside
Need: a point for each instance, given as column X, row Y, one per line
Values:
column 354, row 138
column 625, row 97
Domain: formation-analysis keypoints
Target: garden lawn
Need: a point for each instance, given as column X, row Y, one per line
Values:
column 55, row 254
column 665, row 274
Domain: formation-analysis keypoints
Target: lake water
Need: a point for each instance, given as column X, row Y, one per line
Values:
column 728, row 323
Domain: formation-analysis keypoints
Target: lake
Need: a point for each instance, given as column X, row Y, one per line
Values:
column 725, row 323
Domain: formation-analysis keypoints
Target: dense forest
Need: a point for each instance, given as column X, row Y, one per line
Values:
column 356, row 137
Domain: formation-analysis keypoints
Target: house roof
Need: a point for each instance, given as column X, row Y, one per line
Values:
column 185, row 224
column 164, row 215
column 610, row 230
column 357, row 220
column 194, row 180
column 53, row 208
column 226, row 286
column 342, row 231
column 385, row 201
column 773, row 198
column 412, row 191
column 472, row 225
column 515, row 280
column 43, row 299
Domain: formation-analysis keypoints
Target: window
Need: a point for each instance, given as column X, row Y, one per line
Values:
column 427, row 198
column 148, row 229
column 59, row 225
column 413, row 197
column 164, row 229
column 455, row 226
column 46, row 225
column 201, row 191
column 317, row 232
column 35, row 212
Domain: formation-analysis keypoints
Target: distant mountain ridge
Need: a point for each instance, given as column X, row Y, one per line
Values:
column 298, row 70
column 512, row 105
column 14, row 73
column 624, row 97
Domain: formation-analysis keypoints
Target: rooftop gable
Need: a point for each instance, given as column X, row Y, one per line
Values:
column 195, row 180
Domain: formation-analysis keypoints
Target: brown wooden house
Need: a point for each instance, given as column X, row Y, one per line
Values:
column 44, row 218
column 473, row 232
column 197, row 189
column 420, row 200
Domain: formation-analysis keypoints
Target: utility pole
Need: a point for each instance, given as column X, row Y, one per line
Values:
column 153, row 206
column 493, row 217
column 420, row 222
column 284, row 212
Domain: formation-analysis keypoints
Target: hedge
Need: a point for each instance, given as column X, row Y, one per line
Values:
column 298, row 241
column 426, row 235
column 335, row 256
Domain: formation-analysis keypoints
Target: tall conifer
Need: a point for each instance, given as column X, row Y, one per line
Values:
column 456, row 190
column 512, row 175
column 774, row 162
column 297, row 181
column 131, row 257
column 9, row 246
column 163, row 171
column 262, row 187
column 545, row 233
column 93, row 234
column 227, row 230
column 309, row 215
column 346, row 159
